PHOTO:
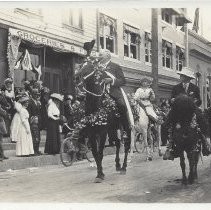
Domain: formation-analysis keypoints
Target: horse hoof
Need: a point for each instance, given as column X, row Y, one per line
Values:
column 160, row 153
column 123, row 171
column 98, row 180
column 184, row 181
column 149, row 159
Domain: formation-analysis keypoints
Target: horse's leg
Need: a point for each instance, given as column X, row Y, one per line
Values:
column 182, row 164
column 127, row 148
column 102, row 140
column 193, row 158
column 94, row 146
column 148, row 145
column 159, row 139
column 117, row 159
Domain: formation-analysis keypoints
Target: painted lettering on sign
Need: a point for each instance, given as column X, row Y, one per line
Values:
column 35, row 38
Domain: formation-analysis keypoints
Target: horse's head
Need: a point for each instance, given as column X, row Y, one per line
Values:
column 183, row 109
column 89, row 78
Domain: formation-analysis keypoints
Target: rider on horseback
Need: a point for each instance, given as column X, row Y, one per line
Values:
column 144, row 96
column 191, row 90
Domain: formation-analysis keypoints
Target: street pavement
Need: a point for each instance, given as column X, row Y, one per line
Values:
column 145, row 182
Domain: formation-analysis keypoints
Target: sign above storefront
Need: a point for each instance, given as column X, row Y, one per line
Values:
column 39, row 39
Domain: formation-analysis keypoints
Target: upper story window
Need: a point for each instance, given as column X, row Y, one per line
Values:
column 166, row 16
column 180, row 57
column 148, row 47
column 30, row 12
column 167, row 54
column 132, row 42
column 72, row 19
column 108, row 33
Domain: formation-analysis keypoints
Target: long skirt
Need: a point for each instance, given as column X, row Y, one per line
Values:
column 53, row 142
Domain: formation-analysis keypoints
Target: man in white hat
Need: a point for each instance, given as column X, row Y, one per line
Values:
column 186, row 87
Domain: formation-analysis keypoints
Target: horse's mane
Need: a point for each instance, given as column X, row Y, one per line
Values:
column 183, row 109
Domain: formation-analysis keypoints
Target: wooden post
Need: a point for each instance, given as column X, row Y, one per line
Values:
column 156, row 48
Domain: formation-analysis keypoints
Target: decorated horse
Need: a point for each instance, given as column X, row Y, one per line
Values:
column 100, row 104
column 147, row 118
column 185, row 135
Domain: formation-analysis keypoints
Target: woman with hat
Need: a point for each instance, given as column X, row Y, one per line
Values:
column 52, row 145
column 144, row 95
column 20, row 128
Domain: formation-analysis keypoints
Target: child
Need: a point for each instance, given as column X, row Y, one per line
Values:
column 144, row 95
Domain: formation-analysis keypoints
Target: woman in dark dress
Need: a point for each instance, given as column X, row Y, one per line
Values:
column 52, row 145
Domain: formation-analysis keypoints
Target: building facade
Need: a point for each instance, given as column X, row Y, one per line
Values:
column 200, row 63
column 54, row 39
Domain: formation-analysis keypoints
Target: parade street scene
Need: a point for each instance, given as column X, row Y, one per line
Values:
column 105, row 105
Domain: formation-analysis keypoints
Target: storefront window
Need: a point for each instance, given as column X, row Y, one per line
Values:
column 167, row 54
column 107, row 33
column 148, row 48
column 131, row 42
column 180, row 57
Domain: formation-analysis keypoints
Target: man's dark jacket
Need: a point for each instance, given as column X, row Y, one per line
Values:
column 192, row 91
column 117, row 72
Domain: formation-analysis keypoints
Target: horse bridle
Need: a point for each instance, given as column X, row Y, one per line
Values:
column 87, row 91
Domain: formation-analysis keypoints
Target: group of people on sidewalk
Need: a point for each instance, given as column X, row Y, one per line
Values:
column 24, row 113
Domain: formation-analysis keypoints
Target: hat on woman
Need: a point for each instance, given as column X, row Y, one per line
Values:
column 57, row 96
column 8, row 80
column 187, row 72
column 146, row 79
column 23, row 99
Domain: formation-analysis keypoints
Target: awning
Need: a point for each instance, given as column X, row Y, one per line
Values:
column 182, row 19
column 131, row 29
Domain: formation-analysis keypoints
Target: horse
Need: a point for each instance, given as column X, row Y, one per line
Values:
column 92, row 86
column 143, row 128
column 95, row 92
column 186, row 135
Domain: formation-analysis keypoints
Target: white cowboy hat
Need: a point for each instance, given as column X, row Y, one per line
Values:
column 187, row 72
column 57, row 96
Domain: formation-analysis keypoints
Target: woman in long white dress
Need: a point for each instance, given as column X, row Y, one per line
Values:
column 20, row 129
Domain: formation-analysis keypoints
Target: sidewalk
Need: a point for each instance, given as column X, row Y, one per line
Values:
column 16, row 163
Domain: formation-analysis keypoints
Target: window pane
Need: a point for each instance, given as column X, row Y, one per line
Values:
column 133, row 38
column 126, row 51
column 102, row 42
column 110, row 44
column 133, row 51
column 75, row 18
